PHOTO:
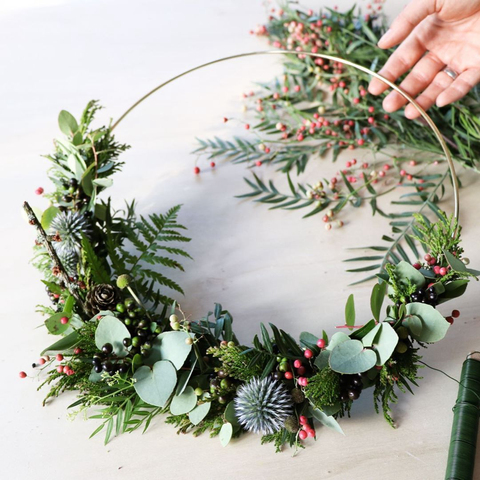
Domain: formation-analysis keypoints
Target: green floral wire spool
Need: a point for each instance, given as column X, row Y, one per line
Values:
column 314, row 379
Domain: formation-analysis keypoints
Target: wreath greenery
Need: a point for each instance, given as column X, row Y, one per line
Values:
column 131, row 353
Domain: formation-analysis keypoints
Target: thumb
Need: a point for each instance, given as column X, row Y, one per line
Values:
column 411, row 16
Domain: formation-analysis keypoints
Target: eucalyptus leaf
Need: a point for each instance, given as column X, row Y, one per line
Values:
column 103, row 182
column 434, row 325
column 230, row 414
column 369, row 338
column 170, row 346
column 111, row 330
column 184, row 402
column 199, row 413
column 454, row 262
column 377, row 298
column 321, row 361
column 154, row 386
column 351, row 357
column 326, row 420
column 337, row 339
column 226, row 434
column 405, row 272
column 385, row 342
column 414, row 325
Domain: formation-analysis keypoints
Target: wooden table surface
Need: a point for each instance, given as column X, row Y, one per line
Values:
column 261, row 265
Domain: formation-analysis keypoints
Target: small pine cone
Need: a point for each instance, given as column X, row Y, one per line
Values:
column 101, row 297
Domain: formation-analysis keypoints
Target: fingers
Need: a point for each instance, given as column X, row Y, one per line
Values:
column 428, row 98
column 402, row 60
column 416, row 82
column 460, row 87
column 412, row 15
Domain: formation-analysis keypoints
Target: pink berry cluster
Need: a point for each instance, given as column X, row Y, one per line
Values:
column 432, row 263
column 64, row 368
column 307, row 430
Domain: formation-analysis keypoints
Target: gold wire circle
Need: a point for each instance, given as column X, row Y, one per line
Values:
column 410, row 99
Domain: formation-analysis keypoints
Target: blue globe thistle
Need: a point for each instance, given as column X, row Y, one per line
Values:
column 70, row 226
column 263, row 405
column 69, row 258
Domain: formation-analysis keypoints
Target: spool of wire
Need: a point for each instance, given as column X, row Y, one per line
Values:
column 463, row 441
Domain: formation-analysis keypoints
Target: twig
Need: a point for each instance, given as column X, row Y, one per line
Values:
column 58, row 266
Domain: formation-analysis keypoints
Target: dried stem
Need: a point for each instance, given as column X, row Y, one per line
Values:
column 62, row 274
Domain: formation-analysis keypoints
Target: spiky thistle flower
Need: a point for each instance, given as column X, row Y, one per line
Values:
column 70, row 226
column 263, row 405
column 69, row 258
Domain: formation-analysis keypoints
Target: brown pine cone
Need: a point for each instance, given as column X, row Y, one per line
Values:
column 101, row 297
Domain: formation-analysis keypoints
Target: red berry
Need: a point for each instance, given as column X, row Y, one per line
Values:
column 301, row 370
column 70, row 372
column 300, row 138
column 436, row 270
column 64, row 320
column 77, row 351
column 386, row 166
column 417, row 266
column 225, row 119
column 302, row 434
column 433, row 261
column 212, row 164
column 449, row 320
column 39, row 191
column 371, row 109
column 59, row 357
column 455, row 313
column 308, row 353
column 41, row 361
column 320, row 343
column 288, row 375
column 442, row 271
column 297, row 363
column 22, row 374
column 247, row 126
column 360, row 141
column 311, row 432
column 427, row 257
column 371, row 120
column 267, row 150
column 356, row 100
column 196, row 170
column 303, row 419
column 258, row 163
column 60, row 368
column 403, row 173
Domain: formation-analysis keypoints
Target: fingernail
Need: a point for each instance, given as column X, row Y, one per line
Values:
column 385, row 36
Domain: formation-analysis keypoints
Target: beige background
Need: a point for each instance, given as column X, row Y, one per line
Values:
column 262, row 266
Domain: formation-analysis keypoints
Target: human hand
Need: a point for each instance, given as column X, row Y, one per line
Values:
column 433, row 34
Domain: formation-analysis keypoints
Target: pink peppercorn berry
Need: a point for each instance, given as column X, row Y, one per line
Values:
column 297, row 363
column 288, row 375
column 302, row 434
column 196, row 170
column 308, row 353
column 59, row 357
column 60, row 368
column 417, row 266
column 22, row 374
column 303, row 420
column 64, row 320
column 320, row 343
column 39, row 191
column 455, row 313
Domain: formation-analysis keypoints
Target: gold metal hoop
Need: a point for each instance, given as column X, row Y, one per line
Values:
column 425, row 116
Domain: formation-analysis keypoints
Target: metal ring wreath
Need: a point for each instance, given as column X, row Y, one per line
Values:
column 129, row 349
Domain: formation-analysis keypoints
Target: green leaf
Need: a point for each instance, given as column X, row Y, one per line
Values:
column 54, row 325
column 170, row 346
column 414, row 325
column 97, row 268
column 377, row 298
column 154, row 386
column 337, row 339
column 48, row 215
column 67, row 123
column 369, row 338
column 456, row 264
column 324, row 419
column 102, row 182
column 65, row 343
column 226, row 433
column 111, row 330
column 351, row 357
column 75, row 166
column 384, row 343
column 434, row 325
column 350, row 311
column 184, row 378
column 184, row 402
column 405, row 271
column 230, row 414
column 308, row 340
column 199, row 413
column 321, row 361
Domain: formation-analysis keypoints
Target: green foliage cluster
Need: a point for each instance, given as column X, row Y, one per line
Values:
column 323, row 388
column 400, row 371
column 236, row 362
column 281, row 438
